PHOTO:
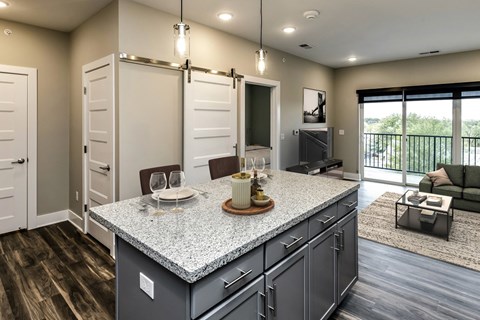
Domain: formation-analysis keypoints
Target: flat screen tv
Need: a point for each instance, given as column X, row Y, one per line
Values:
column 315, row 144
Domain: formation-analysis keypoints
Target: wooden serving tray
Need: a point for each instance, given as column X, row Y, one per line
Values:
column 227, row 206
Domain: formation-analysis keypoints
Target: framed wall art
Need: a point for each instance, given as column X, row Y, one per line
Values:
column 314, row 106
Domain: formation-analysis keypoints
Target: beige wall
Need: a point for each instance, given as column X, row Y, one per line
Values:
column 148, row 32
column 460, row 67
column 94, row 39
column 47, row 51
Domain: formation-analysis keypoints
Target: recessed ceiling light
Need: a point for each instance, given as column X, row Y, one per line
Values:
column 289, row 29
column 225, row 16
column 4, row 4
column 352, row 59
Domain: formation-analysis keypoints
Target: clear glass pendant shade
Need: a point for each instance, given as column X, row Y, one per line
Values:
column 261, row 61
column 181, row 32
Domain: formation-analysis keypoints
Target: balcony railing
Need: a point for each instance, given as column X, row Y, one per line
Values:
column 384, row 151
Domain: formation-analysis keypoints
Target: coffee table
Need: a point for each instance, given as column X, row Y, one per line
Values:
column 407, row 214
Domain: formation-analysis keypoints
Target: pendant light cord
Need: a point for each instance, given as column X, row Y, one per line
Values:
column 261, row 24
column 181, row 10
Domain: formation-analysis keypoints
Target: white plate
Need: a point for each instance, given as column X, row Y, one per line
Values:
column 260, row 175
column 170, row 195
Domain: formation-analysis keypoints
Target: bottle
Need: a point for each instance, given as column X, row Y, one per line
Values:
column 255, row 184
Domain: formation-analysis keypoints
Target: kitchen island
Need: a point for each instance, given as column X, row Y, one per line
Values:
column 209, row 264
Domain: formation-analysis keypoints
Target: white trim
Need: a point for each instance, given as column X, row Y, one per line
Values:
column 108, row 60
column 351, row 176
column 75, row 219
column 274, row 116
column 31, row 74
column 51, row 218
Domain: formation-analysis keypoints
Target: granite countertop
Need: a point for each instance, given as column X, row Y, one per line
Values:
column 196, row 242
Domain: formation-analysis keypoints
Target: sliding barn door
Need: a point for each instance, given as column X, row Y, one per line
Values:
column 210, row 123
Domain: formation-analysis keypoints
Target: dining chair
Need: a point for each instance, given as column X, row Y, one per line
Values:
column 146, row 173
column 225, row 166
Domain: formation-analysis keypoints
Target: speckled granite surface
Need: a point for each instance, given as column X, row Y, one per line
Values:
column 203, row 238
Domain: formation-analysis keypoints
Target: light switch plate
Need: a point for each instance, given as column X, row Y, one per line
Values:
column 341, row 132
column 146, row 285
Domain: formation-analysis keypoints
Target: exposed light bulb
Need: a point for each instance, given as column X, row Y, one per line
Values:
column 182, row 40
column 261, row 61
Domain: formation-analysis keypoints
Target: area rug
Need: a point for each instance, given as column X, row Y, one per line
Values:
column 377, row 223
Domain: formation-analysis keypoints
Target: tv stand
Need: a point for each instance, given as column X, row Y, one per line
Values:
column 331, row 168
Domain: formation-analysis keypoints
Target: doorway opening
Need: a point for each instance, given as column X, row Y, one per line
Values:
column 260, row 120
column 257, row 123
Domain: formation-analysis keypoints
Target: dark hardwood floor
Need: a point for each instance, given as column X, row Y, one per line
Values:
column 56, row 272
column 396, row 284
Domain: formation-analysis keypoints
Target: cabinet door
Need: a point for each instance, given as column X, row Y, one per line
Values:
column 323, row 271
column 348, row 254
column 287, row 287
column 247, row 304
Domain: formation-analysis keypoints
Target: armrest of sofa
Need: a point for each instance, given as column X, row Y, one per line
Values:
column 425, row 185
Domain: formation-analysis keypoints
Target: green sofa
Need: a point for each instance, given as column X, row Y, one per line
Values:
column 465, row 189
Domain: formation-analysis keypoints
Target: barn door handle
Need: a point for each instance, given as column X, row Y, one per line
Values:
column 19, row 161
column 106, row 168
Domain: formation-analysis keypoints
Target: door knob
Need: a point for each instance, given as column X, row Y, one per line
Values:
column 19, row 161
column 106, row 168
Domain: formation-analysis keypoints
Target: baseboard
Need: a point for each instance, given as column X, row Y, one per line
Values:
column 51, row 218
column 76, row 220
column 351, row 176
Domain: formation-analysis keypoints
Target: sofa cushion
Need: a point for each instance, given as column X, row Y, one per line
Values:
column 452, row 191
column 439, row 178
column 471, row 194
column 472, row 176
column 454, row 172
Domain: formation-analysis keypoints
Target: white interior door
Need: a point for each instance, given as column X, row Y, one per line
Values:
column 210, row 123
column 99, row 127
column 13, row 152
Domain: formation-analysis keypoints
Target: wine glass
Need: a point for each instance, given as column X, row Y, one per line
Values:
column 259, row 164
column 177, row 182
column 249, row 165
column 158, row 182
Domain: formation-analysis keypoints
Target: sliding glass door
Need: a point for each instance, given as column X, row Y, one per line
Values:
column 470, row 144
column 406, row 132
column 382, row 144
column 428, row 137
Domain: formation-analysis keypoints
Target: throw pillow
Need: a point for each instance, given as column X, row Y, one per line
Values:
column 439, row 178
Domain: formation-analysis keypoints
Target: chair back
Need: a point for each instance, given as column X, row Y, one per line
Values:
column 146, row 173
column 222, row 167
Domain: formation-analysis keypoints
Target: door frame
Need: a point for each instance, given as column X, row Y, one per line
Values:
column 110, row 59
column 31, row 74
column 274, row 86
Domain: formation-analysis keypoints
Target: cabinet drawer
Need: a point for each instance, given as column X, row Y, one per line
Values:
column 220, row 284
column 285, row 243
column 347, row 204
column 322, row 220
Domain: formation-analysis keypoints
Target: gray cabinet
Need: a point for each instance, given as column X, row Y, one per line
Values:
column 323, row 275
column 302, row 273
column 286, row 287
column 347, row 258
column 247, row 304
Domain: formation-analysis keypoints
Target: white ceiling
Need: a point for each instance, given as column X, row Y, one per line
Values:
column 371, row 30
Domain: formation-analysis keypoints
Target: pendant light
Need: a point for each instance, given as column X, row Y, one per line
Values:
column 261, row 54
column 181, row 33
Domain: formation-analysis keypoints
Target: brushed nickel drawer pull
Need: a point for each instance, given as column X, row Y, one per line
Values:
column 296, row 240
column 243, row 275
column 326, row 221
column 351, row 204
